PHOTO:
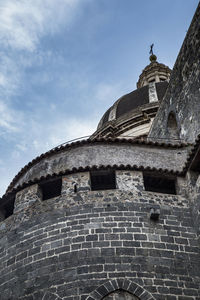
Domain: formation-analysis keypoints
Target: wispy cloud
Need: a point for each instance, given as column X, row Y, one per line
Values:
column 32, row 120
column 23, row 25
column 109, row 93
column 72, row 129
column 8, row 120
column 23, row 22
column 55, row 133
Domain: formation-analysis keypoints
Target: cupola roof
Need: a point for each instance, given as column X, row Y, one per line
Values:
column 139, row 106
column 134, row 100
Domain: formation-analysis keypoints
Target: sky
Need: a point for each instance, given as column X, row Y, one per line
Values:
column 63, row 63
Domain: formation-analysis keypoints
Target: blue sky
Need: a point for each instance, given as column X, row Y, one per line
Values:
column 64, row 62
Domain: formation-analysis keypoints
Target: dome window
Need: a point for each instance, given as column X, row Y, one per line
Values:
column 102, row 180
column 51, row 188
column 162, row 79
column 157, row 184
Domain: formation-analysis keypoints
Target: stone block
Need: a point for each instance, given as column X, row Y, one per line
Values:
column 26, row 197
column 76, row 183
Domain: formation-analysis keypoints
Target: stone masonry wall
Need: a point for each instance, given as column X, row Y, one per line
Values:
column 107, row 154
column 193, row 182
column 86, row 245
column 183, row 93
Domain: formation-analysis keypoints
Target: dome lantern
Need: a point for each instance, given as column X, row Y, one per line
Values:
column 154, row 72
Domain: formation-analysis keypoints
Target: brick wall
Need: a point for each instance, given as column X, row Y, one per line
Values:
column 79, row 245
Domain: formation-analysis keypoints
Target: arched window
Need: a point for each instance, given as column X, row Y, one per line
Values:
column 120, row 295
column 172, row 126
column 163, row 79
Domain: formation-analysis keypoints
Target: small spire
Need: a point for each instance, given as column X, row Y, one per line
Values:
column 152, row 57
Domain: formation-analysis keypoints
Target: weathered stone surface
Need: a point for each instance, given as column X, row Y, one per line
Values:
column 129, row 184
column 64, row 248
column 105, row 154
column 2, row 214
column 193, row 183
column 27, row 197
column 183, row 93
column 75, row 183
column 58, row 254
column 130, row 181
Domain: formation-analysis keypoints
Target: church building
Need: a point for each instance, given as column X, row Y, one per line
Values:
column 116, row 216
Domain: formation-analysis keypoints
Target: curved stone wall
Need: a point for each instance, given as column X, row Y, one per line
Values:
column 99, row 154
column 68, row 247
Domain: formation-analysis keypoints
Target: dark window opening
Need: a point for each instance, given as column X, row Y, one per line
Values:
column 162, row 79
column 195, row 165
column 160, row 184
column 75, row 188
column 103, row 180
column 51, row 189
column 7, row 209
column 153, row 80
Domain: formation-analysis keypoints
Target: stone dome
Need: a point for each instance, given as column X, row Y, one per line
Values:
column 132, row 114
column 132, row 101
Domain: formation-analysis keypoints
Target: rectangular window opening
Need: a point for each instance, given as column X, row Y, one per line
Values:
column 158, row 184
column 103, row 180
column 51, row 189
column 7, row 209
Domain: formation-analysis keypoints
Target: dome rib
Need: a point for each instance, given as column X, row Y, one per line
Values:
column 134, row 100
